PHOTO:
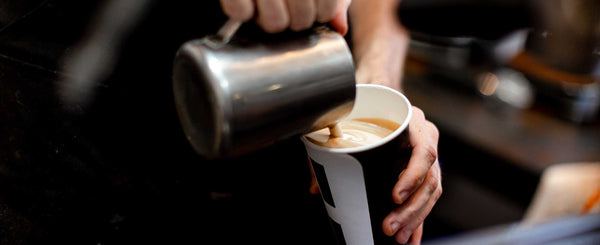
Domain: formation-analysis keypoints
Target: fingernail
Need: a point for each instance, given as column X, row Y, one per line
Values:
column 403, row 196
column 395, row 227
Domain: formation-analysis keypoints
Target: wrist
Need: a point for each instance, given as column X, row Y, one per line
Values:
column 381, row 60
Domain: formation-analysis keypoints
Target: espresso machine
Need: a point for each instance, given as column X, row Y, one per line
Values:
column 523, row 52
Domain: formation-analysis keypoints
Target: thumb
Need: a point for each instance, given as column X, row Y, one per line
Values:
column 340, row 20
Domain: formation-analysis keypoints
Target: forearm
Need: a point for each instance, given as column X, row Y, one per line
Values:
column 379, row 42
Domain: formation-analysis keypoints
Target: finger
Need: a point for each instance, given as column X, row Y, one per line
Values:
column 314, row 185
column 241, row 10
column 424, row 154
column 326, row 10
column 340, row 19
column 272, row 15
column 404, row 220
column 302, row 14
column 416, row 237
column 433, row 131
column 416, row 219
column 414, row 210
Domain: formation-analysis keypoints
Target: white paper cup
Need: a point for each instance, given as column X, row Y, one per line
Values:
column 356, row 183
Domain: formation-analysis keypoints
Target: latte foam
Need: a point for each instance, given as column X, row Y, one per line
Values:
column 354, row 133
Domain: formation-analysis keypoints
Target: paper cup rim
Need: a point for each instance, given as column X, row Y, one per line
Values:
column 383, row 141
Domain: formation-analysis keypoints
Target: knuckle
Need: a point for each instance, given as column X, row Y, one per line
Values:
column 431, row 153
column 438, row 192
column 432, row 182
column 433, row 130
column 418, row 112
column 415, row 181
column 418, row 220
column 412, row 212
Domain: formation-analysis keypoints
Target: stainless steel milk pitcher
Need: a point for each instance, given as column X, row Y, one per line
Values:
column 234, row 97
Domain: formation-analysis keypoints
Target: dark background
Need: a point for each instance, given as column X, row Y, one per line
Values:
column 119, row 170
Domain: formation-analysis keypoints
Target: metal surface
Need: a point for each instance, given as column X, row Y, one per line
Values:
column 228, row 30
column 239, row 97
